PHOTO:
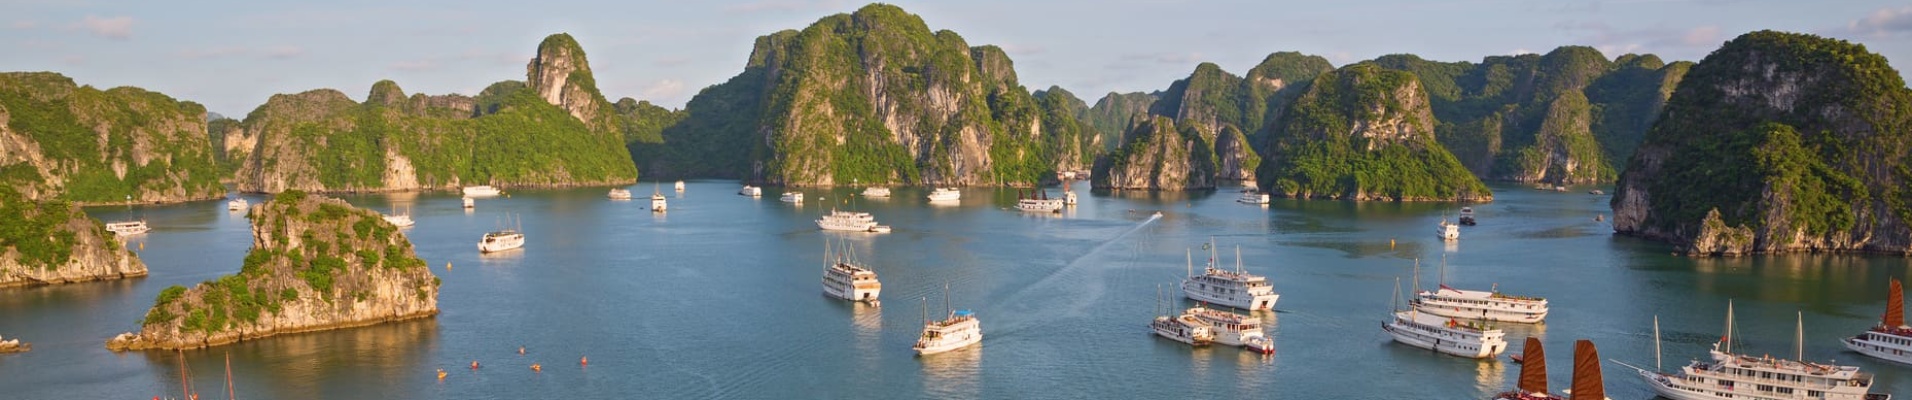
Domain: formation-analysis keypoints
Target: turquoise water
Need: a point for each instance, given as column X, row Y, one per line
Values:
column 720, row 297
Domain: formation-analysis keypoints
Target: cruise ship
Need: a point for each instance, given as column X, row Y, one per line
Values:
column 960, row 329
column 481, row 191
column 945, row 194
column 1234, row 329
column 402, row 220
column 1487, row 305
column 751, row 191
column 1586, row 385
column 124, row 228
column 1237, row 288
column 874, row 191
column 1733, row 376
column 1252, row 196
column 237, row 204
column 1183, row 328
column 844, row 279
column 1038, row 202
column 1448, row 231
column 658, row 203
column 1892, row 339
column 619, row 194
column 791, row 197
column 1440, row 334
column 849, row 221
column 679, row 186
column 1467, row 216
column 501, row 240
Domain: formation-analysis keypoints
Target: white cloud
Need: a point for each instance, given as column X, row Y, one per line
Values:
column 415, row 65
column 663, row 89
column 1886, row 21
column 120, row 28
column 284, row 52
column 1520, row 51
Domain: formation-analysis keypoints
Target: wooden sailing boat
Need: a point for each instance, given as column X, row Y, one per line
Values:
column 1586, row 373
column 1586, row 384
column 1890, row 339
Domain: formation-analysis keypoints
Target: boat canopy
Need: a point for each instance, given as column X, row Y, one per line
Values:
column 962, row 313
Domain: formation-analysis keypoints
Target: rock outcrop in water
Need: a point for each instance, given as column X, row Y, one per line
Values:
column 1775, row 143
column 54, row 242
column 1157, row 155
column 874, row 97
column 316, row 263
column 60, row 140
column 556, row 130
column 1364, row 133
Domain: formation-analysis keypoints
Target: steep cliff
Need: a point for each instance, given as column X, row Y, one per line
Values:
column 316, row 263
column 59, row 140
column 1157, row 155
column 1568, row 117
column 1072, row 144
column 53, row 242
column 1212, row 101
column 555, row 132
column 1115, row 113
column 643, row 125
column 1364, row 133
column 873, row 96
column 1777, row 142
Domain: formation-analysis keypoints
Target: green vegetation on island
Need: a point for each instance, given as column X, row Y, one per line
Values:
column 1363, row 133
column 94, row 146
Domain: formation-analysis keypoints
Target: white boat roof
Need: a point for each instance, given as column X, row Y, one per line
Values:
column 1795, row 367
column 1481, row 295
column 1440, row 321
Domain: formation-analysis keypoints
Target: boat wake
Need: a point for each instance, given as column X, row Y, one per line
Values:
column 1089, row 290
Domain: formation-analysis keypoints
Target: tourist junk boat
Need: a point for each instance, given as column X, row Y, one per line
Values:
column 791, row 197
column 1237, row 288
column 679, row 186
column 1448, row 231
column 1490, row 305
column 402, row 220
column 874, row 191
column 1038, row 202
column 945, row 194
column 1252, row 196
column 1068, row 196
column 1586, row 385
column 501, row 240
column 1467, row 216
column 1440, row 334
column 849, row 221
column 1234, row 329
column 237, row 204
column 481, row 191
column 658, row 204
column 619, row 194
column 126, row 228
column 1183, row 328
column 1735, row 376
column 470, row 204
column 960, row 329
column 1892, row 339
column 751, row 191
column 844, row 279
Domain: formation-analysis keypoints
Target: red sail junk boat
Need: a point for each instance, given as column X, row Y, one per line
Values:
column 1533, row 374
column 1892, row 339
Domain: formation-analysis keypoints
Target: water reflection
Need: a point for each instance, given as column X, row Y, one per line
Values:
column 953, row 375
column 376, row 359
column 1490, row 376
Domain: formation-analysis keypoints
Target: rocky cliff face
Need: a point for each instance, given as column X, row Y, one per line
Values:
column 1568, row 117
column 1073, row 144
column 1364, row 133
column 1213, row 101
column 59, row 140
column 54, row 242
column 1776, row 142
column 1157, row 155
column 316, row 263
column 874, row 97
column 1235, row 157
column 556, row 132
column 1115, row 113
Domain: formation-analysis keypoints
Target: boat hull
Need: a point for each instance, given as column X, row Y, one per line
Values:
column 1242, row 301
column 1438, row 345
column 1882, row 351
column 948, row 345
column 1483, row 314
column 851, row 294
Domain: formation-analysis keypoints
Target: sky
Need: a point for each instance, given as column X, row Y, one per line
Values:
column 233, row 55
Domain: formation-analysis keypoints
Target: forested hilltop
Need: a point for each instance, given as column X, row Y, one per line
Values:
column 874, row 97
column 1777, row 142
column 553, row 129
column 1363, row 133
column 60, row 140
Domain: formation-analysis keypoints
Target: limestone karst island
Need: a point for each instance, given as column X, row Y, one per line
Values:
column 955, row 200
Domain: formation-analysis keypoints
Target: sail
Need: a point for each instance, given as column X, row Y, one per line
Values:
column 1533, row 367
column 1586, row 372
column 1895, row 306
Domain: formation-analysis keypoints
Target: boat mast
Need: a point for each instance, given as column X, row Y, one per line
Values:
column 1656, row 343
column 1238, row 259
column 946, row 309
column 1442, row 279
column 230, row 393
column 1729, row 327
column 1417, row 277
column 1191, row 262
column 1394, row 303
column 1799, row 338
column 925, row 310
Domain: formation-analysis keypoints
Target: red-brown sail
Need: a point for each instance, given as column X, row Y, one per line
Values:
column 1586, row 372
column 1533, row 367
column 1894, row 306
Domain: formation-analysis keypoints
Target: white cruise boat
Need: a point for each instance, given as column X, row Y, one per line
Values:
column 1183, row 328
column 619, row 194
column 402, row 220
column 1735, row 376
column 1038, row 202
column 125, row 228
column 751, row 191
column 658, row 204
column 470, row 203
column 1448, row 231
column 237, row 204
column 1234, row 329
column 849, row 221
column 945, row 194
column 1445, row 335
column 481, row 191
column 679, row 186
column 876, row 192
column 1892, row 339
column 844, row 279
column 1467, row 216
column 1487, row 305
column 1586, row 385
column 959, row 330
column 1068, row 197
column 501, row 240
column 1237, row 288
column 1252, row 196
column 791, row 197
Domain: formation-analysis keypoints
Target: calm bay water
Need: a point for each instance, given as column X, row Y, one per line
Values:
column 720, row 297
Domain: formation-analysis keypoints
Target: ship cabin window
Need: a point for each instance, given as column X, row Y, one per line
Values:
column 1783, row 390
column 1815, row 394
